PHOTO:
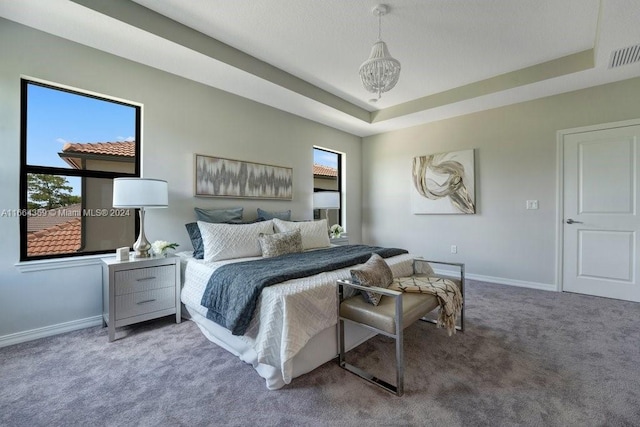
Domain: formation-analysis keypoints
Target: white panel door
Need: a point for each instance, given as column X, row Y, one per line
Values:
column 601, row 224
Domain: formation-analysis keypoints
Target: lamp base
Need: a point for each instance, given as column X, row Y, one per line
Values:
column 141, row 254
column 142, row 246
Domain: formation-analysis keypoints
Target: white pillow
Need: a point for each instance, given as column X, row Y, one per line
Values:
column 315, row 234
column 228, row 241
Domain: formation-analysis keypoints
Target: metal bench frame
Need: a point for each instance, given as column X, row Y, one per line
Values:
column 398, row 388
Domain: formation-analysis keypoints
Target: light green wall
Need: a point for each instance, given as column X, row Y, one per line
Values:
column 180, row 118
column 515, row 149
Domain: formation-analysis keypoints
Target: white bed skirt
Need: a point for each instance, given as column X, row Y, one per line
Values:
column 321, row 349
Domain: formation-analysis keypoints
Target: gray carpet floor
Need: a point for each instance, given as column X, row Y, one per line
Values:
column 526, row 358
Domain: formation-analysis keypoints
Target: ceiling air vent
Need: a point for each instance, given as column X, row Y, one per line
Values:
column 625, row 56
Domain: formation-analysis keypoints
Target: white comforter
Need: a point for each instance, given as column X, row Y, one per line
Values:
column 288, row 314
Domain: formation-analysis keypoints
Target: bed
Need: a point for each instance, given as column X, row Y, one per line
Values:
column 293, row 328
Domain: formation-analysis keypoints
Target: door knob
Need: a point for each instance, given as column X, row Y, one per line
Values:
column 571, row 221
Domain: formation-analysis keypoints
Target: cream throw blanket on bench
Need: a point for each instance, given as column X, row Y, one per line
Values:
column 446, row 291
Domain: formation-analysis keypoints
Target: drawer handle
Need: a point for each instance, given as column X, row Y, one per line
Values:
column 146, row 301
column 146, row 278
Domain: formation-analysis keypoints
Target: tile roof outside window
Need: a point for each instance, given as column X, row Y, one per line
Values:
column 53, row 217
column 321, row 170
column 121, row 148
column 59, row 239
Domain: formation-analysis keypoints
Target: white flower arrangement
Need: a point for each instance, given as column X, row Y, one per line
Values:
column 160, row 247
column 335, row 231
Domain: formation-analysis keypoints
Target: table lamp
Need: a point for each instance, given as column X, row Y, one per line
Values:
column 326, row 200
column 140, row 193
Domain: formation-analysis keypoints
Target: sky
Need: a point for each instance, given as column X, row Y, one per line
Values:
column 55, row 117
column 325, row 158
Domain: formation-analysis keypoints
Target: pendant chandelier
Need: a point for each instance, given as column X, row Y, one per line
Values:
column 381, row 71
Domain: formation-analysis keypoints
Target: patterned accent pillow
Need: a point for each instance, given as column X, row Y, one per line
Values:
column 196, row 239
column 219, row 215
column 315, row 234
column 278, row 244
column 228, row 241
column 284, row 215
column 374, row 272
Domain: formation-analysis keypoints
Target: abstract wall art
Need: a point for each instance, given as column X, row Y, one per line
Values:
column 218, row 177
column 443, row 183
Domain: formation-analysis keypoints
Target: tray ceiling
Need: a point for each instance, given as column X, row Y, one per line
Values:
column 303, row 56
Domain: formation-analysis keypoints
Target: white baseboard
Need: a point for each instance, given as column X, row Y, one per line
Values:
column 47, row 331
column 502, row 281
column 513, row 282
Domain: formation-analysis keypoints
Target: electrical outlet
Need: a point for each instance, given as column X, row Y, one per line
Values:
column 532, row 204
column 454, row 249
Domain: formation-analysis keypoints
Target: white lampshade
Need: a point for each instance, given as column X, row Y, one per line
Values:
column 326, row 200
column 140, row 193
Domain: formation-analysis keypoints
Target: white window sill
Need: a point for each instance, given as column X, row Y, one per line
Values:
column 57, row 263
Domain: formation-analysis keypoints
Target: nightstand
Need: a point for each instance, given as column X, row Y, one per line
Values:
column 139, row 289
column 342, row 240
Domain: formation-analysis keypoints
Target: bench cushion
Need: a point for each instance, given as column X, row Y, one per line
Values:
column 381, row 316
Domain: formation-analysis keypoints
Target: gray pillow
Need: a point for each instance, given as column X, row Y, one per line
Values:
column 374, row 272
column 278, row 244
column 196, row 239
column 283, row 215
column 219, row 215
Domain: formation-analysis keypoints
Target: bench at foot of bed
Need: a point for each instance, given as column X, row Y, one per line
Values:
column 396, row 311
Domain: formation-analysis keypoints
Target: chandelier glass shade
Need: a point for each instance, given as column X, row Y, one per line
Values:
column 381, row 71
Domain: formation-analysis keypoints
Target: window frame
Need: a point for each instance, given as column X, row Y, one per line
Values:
column 339, row 179
column 26, row 169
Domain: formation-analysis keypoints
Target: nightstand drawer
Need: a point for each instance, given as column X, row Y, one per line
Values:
column 134, row 304
column 144, row 279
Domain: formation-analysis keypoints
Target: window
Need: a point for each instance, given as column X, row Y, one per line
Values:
column 327, row 176
column 72, row 146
